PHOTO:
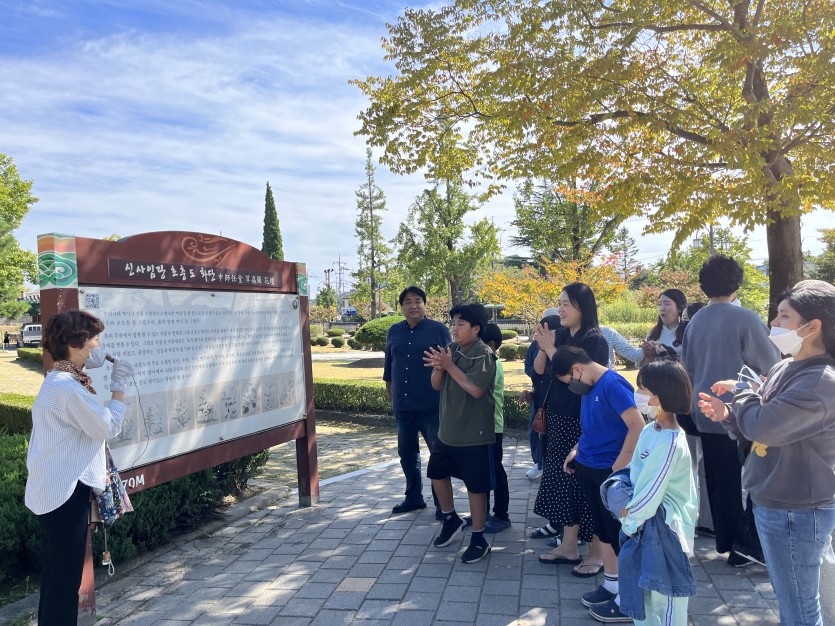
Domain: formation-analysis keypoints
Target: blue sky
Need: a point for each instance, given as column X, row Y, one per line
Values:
column 161, row 115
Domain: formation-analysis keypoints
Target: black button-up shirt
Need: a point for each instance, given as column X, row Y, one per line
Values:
column 411, row 380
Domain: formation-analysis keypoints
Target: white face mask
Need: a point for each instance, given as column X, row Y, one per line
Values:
column 96, row 358
column 642, row 401
column 652, row 411
column 787, row 341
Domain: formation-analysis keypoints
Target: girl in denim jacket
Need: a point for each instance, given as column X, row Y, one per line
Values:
column 661, row 474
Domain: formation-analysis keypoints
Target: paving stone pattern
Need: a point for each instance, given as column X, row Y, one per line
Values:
column 348, row 561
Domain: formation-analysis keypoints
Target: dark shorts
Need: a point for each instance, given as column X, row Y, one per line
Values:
column 606, row 527
column 472, row 464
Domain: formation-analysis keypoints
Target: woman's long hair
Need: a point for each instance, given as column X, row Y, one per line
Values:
column 680, row 300
column 582, row 298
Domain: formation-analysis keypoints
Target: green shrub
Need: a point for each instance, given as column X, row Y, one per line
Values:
column 232, row 477
column 30, row 354
column 507, row 351
column 321, row 341
column 337, row 342
column 634, row 332
column 351, row 333
column 626, row 310
column 364, row 396
column 509, row 334
column 354, row 344
column 517, row 412
column 160, row 512
column 19, row 531
column 335, row 332
column 373, row 334
column 521, row 331
column 522, row 349
column 15, row 414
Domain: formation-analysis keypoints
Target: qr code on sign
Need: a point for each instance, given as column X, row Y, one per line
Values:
column 91, row 301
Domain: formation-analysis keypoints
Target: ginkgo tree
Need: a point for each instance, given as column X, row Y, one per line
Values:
column 685, row 111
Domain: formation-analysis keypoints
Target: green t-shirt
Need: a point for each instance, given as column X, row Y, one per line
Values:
column 498, row 396
column 465, row 420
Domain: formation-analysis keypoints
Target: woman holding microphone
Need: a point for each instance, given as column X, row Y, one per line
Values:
column 66, row 459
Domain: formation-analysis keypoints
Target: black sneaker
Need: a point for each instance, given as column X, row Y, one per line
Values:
column 608, row 612
column 751, row 554
column 406, row 506
column 475, row 552
column 452, row 527
column 601, row 594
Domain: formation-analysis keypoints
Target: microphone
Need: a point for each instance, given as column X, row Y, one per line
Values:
column 109, row 357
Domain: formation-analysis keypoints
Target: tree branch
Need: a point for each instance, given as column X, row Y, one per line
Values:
column 596, row 118
column 724, row 22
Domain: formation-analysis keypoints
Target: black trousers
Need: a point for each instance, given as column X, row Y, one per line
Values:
column 723, row 475
column 501, row 492
column 606, row 527
column 63, row 546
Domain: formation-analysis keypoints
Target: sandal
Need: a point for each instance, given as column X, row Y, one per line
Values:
column 557, row 559
column 544, row 532
column 579, row 573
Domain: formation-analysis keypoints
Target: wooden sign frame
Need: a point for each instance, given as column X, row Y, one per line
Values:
column 182, row 260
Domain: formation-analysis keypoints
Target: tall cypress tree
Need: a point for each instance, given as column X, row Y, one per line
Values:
column 372, row 250
column 272, row 245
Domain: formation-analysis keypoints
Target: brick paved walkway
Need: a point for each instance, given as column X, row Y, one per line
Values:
column 347, row 561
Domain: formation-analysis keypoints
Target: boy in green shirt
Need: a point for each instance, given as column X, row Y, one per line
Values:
column 464, row 372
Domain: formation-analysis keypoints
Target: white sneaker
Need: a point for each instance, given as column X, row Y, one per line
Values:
column 534, row 473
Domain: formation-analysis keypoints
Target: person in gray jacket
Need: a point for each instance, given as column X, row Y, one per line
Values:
column 717, row 343
column 790, row 469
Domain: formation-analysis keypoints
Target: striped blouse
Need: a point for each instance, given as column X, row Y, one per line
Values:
column 69, row 429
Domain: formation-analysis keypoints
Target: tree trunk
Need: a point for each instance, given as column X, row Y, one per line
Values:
column 785, row 256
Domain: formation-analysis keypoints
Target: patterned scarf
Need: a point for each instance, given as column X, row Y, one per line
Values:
column 69, row 368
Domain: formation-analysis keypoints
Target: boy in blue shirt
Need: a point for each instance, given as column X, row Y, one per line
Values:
column 610, row 425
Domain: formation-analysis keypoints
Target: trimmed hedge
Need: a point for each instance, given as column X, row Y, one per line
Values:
column 373, row 334
column 15, row 414
column 19, row 531
column 508, row 352
column 369, row 396
column 30, row 354
column 321, row 341
column 337, row 342
column 354, row 344
column 509, row 334
column 335, row 332
column 362, row 396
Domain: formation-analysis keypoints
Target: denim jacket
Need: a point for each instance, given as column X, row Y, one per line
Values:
column 651, row 559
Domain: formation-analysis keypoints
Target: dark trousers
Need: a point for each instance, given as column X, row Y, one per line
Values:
column 410, row 424
column 501, row 492
column 606, row 527
column 723, row 475
column 63, row 546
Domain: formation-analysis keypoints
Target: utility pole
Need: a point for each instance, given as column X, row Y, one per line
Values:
column 328, row 286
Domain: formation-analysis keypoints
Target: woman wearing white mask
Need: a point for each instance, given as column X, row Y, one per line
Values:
column 66, row 459
column 790, row 471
